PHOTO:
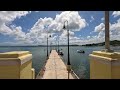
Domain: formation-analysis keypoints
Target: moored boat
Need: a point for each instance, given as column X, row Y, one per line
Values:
column 80, row 51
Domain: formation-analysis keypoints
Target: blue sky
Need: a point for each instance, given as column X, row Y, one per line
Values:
column 30, row 19
column 27, row 27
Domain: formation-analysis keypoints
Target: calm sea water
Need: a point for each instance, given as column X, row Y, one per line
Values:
column 79, row 62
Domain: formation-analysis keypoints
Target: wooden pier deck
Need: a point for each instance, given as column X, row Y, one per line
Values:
column 55, row 68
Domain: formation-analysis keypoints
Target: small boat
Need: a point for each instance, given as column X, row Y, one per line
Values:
column 80, row 51
column 61, row 53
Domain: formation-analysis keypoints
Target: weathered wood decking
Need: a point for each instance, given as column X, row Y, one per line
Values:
column 55, row 68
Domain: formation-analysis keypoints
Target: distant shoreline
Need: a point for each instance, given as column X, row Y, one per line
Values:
column 41, row 46
column 112, row 43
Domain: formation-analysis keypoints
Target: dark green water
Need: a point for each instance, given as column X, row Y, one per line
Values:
column 79, row 61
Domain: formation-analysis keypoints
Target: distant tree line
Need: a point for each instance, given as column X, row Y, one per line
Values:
column 113, row 43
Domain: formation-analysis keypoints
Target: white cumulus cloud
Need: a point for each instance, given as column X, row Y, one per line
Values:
column 6, row 17
column 116, row 13
column 100, row 27
column 52, row 26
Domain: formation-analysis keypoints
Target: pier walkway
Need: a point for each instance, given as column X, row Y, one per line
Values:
column 55, row 68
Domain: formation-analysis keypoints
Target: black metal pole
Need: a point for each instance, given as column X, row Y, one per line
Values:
column 68, row 74
column 47, row 47
column 58, row 46
column 68, row 63
column 68, row 51
column 50, row 47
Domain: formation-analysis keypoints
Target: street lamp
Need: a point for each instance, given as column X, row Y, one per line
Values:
column 68, row 63
column 47, row 44
column 50, row 47
column 58, row 45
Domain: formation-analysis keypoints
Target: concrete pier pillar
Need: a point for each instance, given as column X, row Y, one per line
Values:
column 104, row 65
column 107, row 38
column 16, row 65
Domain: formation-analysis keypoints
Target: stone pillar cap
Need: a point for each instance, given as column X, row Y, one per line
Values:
column 13, row 54
column 15, row 57
column 114, row 55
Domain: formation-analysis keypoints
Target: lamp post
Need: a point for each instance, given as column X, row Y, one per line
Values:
column 50, row 47
column 58, row 45
column 47, row 44
column 47, row 47
column 68, row 62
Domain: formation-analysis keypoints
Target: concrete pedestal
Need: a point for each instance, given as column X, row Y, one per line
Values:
column 104, row 65
column 16, row 65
